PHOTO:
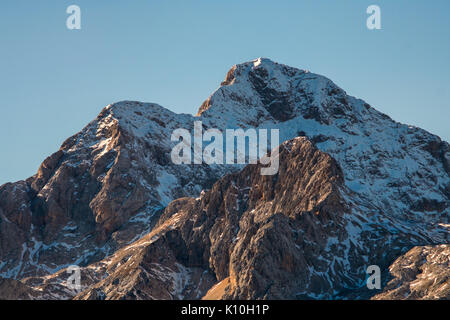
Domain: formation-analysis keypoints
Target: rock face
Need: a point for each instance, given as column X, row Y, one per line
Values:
column 97, row 193
column 230, row 230
column 421, row 273
column 261, row 237
column 358, row 189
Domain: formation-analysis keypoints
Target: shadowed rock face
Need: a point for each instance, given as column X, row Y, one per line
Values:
column 108, row 185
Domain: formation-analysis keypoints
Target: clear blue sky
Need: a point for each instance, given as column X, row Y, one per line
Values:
column 54, row 80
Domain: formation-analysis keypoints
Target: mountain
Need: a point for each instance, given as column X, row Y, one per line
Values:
column 249, row 228
column 354, row 188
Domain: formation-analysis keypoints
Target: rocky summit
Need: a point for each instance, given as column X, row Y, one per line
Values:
column 354, row 189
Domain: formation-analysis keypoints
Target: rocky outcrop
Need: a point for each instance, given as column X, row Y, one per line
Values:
column 98, row 193
column 422, row 273
column 291, row 213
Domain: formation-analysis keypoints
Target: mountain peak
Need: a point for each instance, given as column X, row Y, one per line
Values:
column 257, row 82
column 107, row 185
